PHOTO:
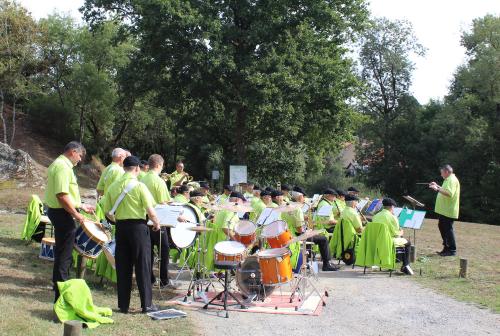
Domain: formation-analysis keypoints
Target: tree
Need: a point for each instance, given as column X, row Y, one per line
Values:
column 18, row 60
column 241, row 75
column 386, row 69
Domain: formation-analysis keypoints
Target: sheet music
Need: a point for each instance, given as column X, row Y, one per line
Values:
column 268, row 216
column 397, row 211
column 167, row 214
column 305, row 207
column 325, row 211
column 361, row 204
column 412, row 219
column 241, row 215
column 374, row 206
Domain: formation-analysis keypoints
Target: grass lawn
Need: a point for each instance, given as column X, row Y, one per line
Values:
column 27, row 297
column 480, row 245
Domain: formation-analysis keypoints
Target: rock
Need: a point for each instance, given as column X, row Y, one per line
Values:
column 18, row 168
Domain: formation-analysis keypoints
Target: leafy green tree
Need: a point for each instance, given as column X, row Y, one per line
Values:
column 244, row 74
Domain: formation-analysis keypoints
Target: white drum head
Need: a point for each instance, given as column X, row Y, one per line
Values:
column 245, row 227
column 273, row 253
column 229, row 248
column 181, row 235
column 274, row 229
column 95, row 231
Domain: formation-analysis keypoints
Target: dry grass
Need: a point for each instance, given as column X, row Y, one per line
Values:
column 26, row 295
column 479, row 244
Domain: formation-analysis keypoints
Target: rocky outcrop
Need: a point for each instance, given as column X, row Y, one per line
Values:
column 18, row 168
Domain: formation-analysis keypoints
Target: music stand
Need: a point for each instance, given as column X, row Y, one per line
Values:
column 415, row 203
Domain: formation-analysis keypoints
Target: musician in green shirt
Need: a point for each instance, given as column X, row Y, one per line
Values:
column 113, row 171
column 144, row 169
column 326, row 222
column 447, row 207
column 182, row 195
column 133, row 244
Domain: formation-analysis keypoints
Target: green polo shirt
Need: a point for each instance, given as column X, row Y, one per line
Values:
column 180, row 198
column 142, row 173
column 449, row 206
column 320, row 222
column 223, row 198
column 156, row 187
column 384, row 216
column 112, row 172
column 257, row 206
column 338, row 207
column 226, row 219
column 134, row 204
column 294, row 219
column 61, row 179
column 351, row 216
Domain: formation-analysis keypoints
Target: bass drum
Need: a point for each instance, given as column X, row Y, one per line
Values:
column 248, row 279
column 181, row 236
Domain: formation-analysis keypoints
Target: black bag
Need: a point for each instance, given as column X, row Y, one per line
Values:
column 348, row 256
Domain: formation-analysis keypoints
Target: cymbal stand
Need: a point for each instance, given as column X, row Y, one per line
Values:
column 199, row 275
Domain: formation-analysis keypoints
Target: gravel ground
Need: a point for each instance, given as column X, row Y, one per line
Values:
column 371, row 304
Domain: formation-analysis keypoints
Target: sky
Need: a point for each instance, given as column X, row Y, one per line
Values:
column 438, row 25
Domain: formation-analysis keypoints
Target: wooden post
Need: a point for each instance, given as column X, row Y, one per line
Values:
column 72, row 328
column 463, row 268
column 413, row 253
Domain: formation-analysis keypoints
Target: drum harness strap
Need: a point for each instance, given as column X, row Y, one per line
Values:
column 128, row 188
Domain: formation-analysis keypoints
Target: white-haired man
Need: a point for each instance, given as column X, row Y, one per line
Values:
column 113, row 171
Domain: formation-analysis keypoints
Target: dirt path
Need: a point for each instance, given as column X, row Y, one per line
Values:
column 371, row 304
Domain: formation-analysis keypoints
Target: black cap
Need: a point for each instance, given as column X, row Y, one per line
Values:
column 237, row 195
column 183, row 189
column 286, row 187
column 256, row 187
column 228, row 187
column 276, row 193
column 204, row 185
column 389, row 202
column 196, row 193
column 131, row 161
column 265, row 193
column 330, row 191
column 269, row 189
column 349, row 198
column 353, row 189
column 299, row 190
column 341, row 192
column 250, row 183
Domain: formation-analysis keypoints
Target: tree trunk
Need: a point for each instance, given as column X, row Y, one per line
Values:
column 240, row 135
column 82, row 123
column 13, row 123
column 4, row 124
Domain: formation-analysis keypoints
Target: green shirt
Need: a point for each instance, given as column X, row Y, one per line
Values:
column 174, row 178
column 112, row 172
column 142, row 173
column 294, row 219
column 180, row 198
column 156, row 187
column 223, row 199
column 226, row 219
column 386, row 217
column 449, row 206
column 351, row 216
column 134, row 204
column 257, row 206
column 61, row 179
column 320, row 222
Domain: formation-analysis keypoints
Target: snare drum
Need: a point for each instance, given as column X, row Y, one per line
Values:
column 109, row 250
column 228, row 251
column 277, row 234
column 47, row 248
column 89, row 239
column 244, row 232
column 275, row 266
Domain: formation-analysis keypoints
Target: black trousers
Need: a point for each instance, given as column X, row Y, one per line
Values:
column 64, row 231
column 405, row 253
column 164, row 256
column 445, row 226
column 322, row 243
column 133, row 250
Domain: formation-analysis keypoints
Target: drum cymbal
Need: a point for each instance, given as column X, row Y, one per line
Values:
column 289, row 207
column 200, row 229
column 235, row 207
column 305, row 236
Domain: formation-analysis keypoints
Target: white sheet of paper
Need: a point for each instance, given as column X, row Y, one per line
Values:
column 325, row 211
column 361, row 204
column 397, row 211
column 268, row 216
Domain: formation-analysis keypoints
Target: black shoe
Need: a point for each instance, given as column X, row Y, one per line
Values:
column 150, row 309
column 124, row 311
column 329, row 268
column 445, row 249
column 447, row 254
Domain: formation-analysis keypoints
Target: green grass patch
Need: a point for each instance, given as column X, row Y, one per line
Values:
column 26, row 297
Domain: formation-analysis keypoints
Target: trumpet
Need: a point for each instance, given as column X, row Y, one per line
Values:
column 165, row 176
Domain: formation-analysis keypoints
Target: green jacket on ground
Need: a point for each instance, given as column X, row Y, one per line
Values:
column 376, row 247
column 75, row 303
